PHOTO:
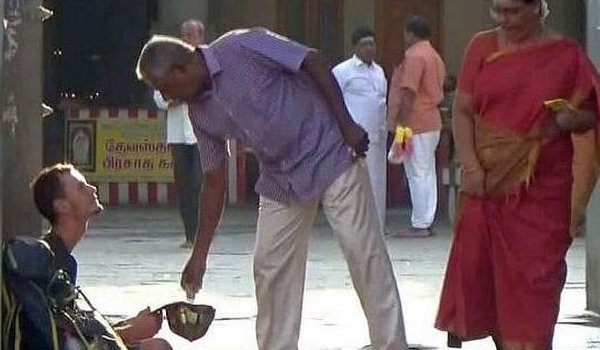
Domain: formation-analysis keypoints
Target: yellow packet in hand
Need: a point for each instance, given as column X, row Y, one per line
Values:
column 401, row 146
column 557, row 104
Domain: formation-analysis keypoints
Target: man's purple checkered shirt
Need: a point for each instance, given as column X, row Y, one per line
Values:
column 262, row 98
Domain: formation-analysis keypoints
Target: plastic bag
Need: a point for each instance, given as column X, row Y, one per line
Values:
column 401, row 146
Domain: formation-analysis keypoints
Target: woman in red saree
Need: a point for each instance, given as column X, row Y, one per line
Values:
column 507, row 264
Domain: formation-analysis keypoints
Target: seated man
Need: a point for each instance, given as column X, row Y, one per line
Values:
column 63, row 196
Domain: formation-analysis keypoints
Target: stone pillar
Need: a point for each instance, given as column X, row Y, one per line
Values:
column 593, row 224
column 21, row 129
column 1, row 155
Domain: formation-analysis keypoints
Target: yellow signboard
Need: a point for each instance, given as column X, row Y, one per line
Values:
column 124, row 150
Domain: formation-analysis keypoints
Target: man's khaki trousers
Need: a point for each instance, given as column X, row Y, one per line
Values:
column 283, row 235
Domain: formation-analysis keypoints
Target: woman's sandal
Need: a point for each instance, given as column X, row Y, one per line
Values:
column 454, row 341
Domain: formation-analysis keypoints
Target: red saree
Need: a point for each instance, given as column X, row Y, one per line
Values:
column 507, row 264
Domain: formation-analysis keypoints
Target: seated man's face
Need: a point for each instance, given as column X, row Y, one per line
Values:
column 80, row 197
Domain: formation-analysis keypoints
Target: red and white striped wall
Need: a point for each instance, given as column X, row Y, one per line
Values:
column 116, row 193
column 112, row 113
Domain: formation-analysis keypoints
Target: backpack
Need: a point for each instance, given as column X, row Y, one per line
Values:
column 41, row 309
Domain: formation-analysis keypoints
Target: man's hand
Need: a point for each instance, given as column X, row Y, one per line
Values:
column 193, row 273
column 568, row 119
column 143, row 326
column 147, row 323
column 575, row 120
column 356, row 137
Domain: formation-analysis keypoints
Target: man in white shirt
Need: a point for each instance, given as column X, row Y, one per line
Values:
column 364, row 87
column 183, row 145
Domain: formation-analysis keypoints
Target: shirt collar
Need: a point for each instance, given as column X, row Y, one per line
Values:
column 358, row 62
column 211, row 61
column 419, row 44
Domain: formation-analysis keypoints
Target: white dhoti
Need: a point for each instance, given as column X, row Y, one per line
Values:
column 422, row 178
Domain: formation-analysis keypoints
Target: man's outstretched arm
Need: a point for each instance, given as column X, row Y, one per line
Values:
column 211, row 207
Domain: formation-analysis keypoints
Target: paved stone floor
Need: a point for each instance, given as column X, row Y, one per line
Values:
column 131, row 259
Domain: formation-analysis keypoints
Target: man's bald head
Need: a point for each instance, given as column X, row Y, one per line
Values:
column 160, row 55
column 173, row 67
column 192, row 32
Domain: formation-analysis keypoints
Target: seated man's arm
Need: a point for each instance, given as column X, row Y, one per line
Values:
column 143, row 326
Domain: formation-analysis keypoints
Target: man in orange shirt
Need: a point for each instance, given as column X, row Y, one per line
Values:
column 416, row 90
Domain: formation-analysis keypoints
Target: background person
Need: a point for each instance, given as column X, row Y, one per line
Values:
column 415, row 93
column 364, row 87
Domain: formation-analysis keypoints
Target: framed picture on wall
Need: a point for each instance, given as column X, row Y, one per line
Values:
column 81, row 144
